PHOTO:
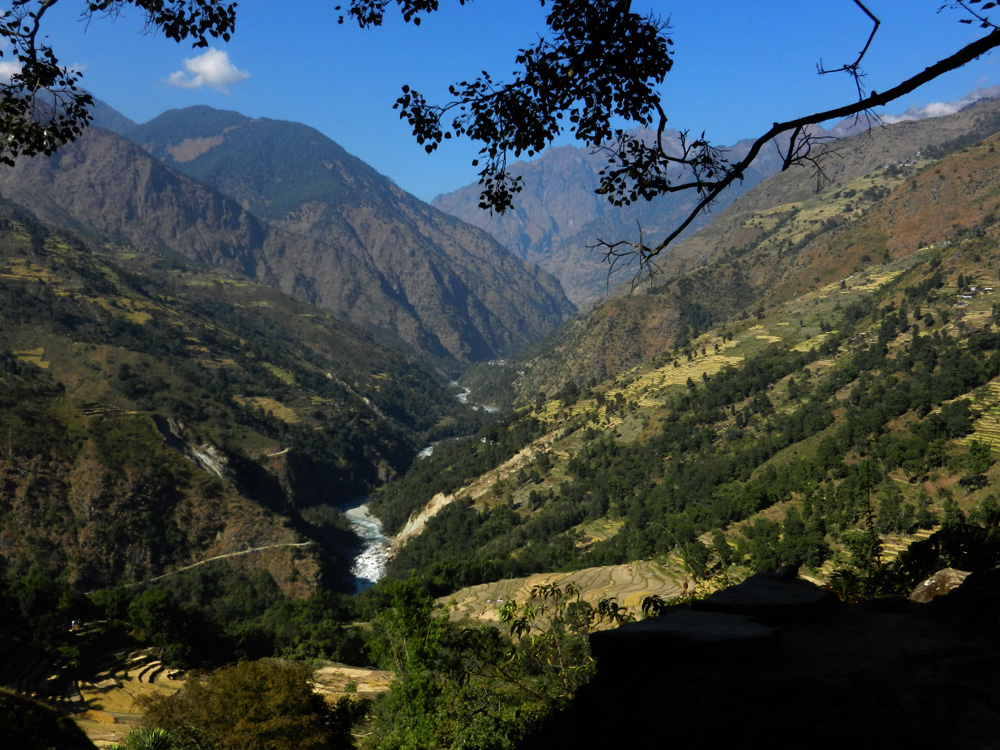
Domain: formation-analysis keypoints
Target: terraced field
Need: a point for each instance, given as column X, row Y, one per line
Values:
column 630, row 583
column 336, row 680
column 113, row 697
column 987, row 427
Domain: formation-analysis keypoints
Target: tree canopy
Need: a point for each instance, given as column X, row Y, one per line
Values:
column 251, row 705
column 595, row 73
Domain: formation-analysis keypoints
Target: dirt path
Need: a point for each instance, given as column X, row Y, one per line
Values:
column 222, row 557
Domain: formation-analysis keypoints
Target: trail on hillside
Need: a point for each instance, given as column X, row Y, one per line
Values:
column 222, row 557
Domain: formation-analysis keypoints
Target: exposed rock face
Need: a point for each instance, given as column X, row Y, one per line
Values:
column 102, row 527
column 471, row 298
column 558, row 218
column 203, row 454
column 884, row 673
column 738, row 265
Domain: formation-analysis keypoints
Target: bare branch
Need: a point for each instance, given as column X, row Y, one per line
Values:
column 983, row 19
column 853, row 69
column 875, row 99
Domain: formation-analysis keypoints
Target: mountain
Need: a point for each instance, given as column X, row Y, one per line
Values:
column 820, row 389
column 813, row 386
column 156, row 414
column 445, row 287
column 558, row 218
column 781, row 239
column 107, row 117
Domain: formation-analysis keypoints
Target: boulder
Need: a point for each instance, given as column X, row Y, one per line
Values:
column 939, row 584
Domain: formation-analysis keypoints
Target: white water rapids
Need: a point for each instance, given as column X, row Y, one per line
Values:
column 369, row 565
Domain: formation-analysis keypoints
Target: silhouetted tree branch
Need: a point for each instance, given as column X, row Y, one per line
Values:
column 598, row 62
column 801, row 140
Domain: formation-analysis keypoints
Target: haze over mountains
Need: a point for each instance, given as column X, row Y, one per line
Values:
column 280, row 204
column 557, row 218
column 729, row 414
column 735, row 264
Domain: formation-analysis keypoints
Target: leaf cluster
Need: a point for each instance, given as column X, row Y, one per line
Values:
column 263, row 704
column 601, row 62
column 459, row 687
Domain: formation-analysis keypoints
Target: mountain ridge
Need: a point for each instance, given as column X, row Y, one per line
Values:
column 300, row 181
column 558, row 220
column 157, row 414
column 740, row 262
column 476, row 302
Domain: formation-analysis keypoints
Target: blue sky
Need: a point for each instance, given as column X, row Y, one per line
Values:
column 738, row 67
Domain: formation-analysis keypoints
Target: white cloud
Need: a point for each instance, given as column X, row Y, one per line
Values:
column 211, row 69
column 9, row 69
column 940, row 109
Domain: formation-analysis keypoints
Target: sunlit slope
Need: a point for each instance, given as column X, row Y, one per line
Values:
column 859, row 383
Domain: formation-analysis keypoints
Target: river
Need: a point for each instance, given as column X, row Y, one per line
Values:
column 369, row 565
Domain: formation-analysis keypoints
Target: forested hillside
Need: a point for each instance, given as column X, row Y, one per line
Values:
column 875, row 202
column 815, row 385
column 846, row 398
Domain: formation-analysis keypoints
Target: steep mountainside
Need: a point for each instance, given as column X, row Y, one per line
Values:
column 829, row 432
column 849, row 415
column 156, row 415
column 558, row 218
column 463, row 288
column 778, row 241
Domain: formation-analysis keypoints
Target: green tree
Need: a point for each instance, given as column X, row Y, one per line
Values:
column 696, row 556
column 953, row 515
column 722, row 548
column 474, row 687
column 761, row 544
column 979, row 457
column 264, row 705
column 415, row 642
column 552, row 629
column 894, row 516
column 926, row 518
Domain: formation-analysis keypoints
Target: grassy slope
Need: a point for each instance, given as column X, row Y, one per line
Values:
column 788, row 236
